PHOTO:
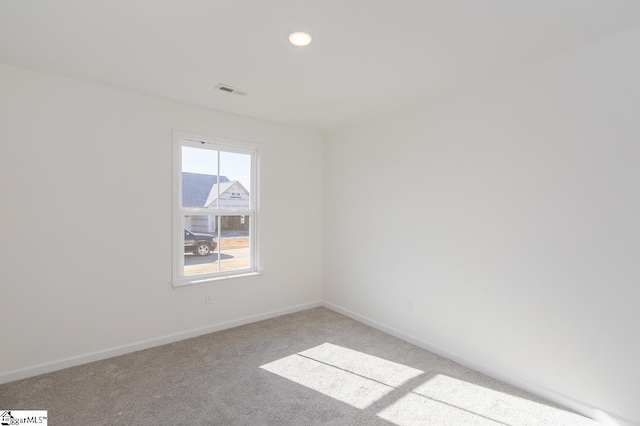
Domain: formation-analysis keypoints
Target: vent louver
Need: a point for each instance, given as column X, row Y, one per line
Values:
column 229, row 89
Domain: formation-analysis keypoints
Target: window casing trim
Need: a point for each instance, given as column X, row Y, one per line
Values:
column 253, row 149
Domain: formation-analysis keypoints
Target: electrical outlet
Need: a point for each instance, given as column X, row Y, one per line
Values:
column 208, row 298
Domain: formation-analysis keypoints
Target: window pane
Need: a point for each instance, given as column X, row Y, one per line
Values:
column 199, row 177
column 201, row 249
column 215, row 206
column 216, row 244
column 236, row 168
column 235, row 243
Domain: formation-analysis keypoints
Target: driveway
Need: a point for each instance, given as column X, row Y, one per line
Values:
column 229, row 259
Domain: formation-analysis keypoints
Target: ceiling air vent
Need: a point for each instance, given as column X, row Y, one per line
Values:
column 229, row 89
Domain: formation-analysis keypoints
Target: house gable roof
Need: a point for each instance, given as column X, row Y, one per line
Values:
column 196, row 188
column 224, row 186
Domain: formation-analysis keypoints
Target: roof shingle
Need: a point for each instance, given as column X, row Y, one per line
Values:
column 196, row 188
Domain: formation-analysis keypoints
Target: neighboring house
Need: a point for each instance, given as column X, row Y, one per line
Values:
column 200, row 190
column 196, row 188
column 231, row 195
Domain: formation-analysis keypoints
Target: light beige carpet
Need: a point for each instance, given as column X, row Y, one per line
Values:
column 314, row 367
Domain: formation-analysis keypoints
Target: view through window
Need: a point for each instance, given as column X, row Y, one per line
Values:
column 216, row 214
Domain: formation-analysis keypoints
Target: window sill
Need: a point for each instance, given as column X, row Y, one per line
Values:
column 204, row 282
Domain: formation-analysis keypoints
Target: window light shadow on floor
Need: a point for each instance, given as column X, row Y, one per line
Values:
column 349, row 376
column 405, row 396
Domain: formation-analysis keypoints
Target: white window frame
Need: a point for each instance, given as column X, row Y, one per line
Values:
column 181, row 139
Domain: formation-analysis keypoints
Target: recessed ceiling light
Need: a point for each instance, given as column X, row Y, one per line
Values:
column 300, row 38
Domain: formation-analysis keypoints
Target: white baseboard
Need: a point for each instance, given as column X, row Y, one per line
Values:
column 10, row 376
column 568, row 402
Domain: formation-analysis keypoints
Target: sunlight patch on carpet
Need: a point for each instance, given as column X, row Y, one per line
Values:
column 416, row 410
column 352, row 377
column 349, row 388
column 365, row 365
column 360, row 380
column 446, row 400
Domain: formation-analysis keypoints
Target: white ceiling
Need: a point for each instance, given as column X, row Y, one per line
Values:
column 368, row 57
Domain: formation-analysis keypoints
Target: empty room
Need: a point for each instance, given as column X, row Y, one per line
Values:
column 320, row 212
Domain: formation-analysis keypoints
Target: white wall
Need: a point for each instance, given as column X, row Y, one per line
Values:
column 510, row 214
column 79, row 164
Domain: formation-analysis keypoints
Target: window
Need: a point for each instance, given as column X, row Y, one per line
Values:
column 215, row 209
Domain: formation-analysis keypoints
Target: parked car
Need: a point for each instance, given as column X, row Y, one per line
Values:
column 198, row 244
